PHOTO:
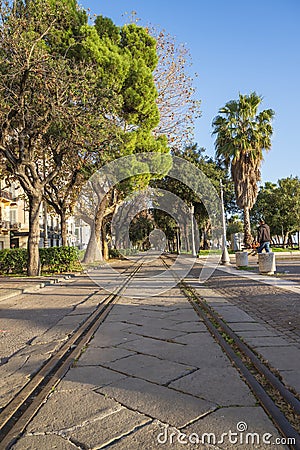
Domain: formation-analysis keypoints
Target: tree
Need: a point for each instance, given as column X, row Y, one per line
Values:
column 242, row 136
column 134, row 119
column 235, row 225
column 50, row 102
column 279, row 205
column 215, row 173
column 176, row 101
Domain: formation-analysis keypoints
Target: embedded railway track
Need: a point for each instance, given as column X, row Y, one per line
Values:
column 265, row 385
column 281, row 405
column 15, row 416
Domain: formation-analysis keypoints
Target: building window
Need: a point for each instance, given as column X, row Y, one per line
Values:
column 13, row 216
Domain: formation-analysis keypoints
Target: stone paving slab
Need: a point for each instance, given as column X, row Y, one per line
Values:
column 154, row 332
column 208, row 352
column 109, row 339
column 103, row 431
column 91, row 377
column 154, row 436
column 291, row 378
column 182, row 316
column 267, row 341
column 64, row 410
column 189, row 327
column 224, row 387
column 231, row 313
column 39, row 442
column 196, row 339
column 248, row 326
column 169, row 406
column 103, row 355
column 151, row 368
column 233, row 419
column 257, row 333
column 282, row 358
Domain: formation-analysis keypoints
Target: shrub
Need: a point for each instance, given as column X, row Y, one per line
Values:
column 114, row 254
column 59, row 259
column 53, row 259
column 13, row 260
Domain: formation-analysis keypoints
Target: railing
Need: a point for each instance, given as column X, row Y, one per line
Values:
column 15, row 225
column 6, row 195
column 5, row 224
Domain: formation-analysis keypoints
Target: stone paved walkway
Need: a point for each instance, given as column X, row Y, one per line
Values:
column 152, row 377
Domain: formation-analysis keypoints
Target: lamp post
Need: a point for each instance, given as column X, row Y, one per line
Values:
column 225, row 256
column 194, row 254
column 178, row 240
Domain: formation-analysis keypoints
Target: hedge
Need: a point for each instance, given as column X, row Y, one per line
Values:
column 13, row 260
column 53, row 259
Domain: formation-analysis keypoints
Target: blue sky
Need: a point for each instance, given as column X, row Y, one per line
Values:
column 236, row 47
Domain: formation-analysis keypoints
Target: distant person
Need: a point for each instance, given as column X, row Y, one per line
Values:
column 263, row 237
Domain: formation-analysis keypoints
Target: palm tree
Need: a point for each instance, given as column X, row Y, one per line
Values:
column 242, row 135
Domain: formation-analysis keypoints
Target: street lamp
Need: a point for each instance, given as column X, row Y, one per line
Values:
column 177, row 229
column 194, row 254
column 225, row 256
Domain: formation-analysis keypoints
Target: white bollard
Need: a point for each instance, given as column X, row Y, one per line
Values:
column 266, row 263
column 241, row 259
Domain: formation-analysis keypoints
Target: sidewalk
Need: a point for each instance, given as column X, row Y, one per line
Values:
column 274, row 347
column 13, row 286
column 152, row 377
column 279, row 282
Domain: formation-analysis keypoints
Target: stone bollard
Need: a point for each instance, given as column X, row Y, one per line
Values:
column 266, row 263
column 241, row 259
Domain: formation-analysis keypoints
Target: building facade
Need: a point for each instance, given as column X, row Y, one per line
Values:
column 14, row 223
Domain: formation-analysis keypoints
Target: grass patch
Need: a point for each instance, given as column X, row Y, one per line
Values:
column 280, row 250
column 248, row 268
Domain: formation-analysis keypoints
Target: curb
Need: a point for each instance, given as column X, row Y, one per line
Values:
column 36, row 287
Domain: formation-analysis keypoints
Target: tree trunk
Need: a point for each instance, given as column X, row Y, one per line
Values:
column 34, row 265
column 186, row 237
column 63, row 228
column 247, row 228
column 93, row 251
column 105, row 247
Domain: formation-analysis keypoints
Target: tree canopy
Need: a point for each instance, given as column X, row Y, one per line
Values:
column 279, row 205
column 70, row 98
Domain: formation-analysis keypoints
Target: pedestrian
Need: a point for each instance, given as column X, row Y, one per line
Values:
column 263, row 237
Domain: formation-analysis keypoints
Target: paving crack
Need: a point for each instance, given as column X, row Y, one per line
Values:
column 199, row 417
column 124, row 435
column 157, row 338
column 194, row 369
column 63, row 432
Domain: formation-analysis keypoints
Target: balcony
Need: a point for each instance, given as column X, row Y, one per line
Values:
column 5, row 196
column 4, row 225
column 15, row 225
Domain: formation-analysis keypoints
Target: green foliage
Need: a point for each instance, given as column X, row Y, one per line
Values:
column 140, row 228
column 59, row 259
column 53, row 259
column 114, row 254
column 279, row 205
column 214, row 173
column 106, row 28
column 13, row 260
column 235, row 225
column 242, row 135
